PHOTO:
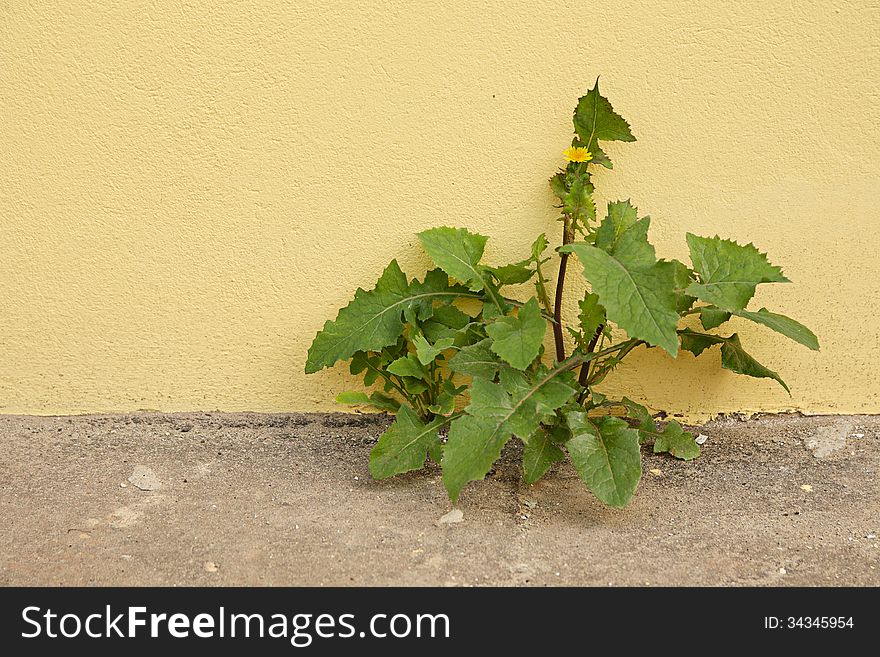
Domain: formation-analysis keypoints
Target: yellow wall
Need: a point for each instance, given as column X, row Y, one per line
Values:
column 188, row 192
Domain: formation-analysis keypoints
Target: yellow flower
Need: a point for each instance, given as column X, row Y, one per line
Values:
column 577, row 154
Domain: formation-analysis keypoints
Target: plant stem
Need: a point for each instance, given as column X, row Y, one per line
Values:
column 560, row 286
column 542, row 290
column 626, row 347
column 585, row 368
column 391, row 382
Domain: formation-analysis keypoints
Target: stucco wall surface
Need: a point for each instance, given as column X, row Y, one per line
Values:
column 189, row 190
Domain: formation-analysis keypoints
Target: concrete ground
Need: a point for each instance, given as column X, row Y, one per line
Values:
column 247, row 499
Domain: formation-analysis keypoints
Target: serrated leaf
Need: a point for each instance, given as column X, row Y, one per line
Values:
column 373, row 319
column 644, row 422
column 620, row 218
column 592, row 315
column 605, row 454
column 427, row 352
column 697, row 343
column 594, row 120
column 476, row 360
column 515, row 405
column 782, row 324
column 557, row 185
column 445, row 322
column 472, row 447
column 519, row 401
column 539, row 246
column 636, row 290
column 518, row 339
column 512, row 274
column 683, row 277
column 408, row 365
column 578, row 201
column 539, row 453
column 729, row 272
column 596, row 398
column 711, row 317
column 671, row 438
column 676, row 441
column 456, row 251
column 404, row 446
column 733, row 356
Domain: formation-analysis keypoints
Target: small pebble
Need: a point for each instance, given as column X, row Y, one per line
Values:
column 453, row 516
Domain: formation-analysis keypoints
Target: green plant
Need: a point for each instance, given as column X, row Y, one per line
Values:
column 424, row 340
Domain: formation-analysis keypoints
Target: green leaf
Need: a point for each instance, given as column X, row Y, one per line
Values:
column 384, row 402
column 735, row 359
column 539, row 453
column 605, row 453
column 712, row 317
column 476, row 360
column 537, row 395
column 512, row 274
column 516, row 405
column 518, row 339
column 376, row 399
column 435, row 451
column 353, row 398
column 446, row 321
column 457, row 252
column 592, row 315
column 729, row 272
column 539, row 246
column 636, row 290
column 473, row 445
column 446, row 399
column 408, row 365
column 444, row 406
column 413, row 385
column 671, row 439
column 578, row 202
column 620, row 218
column 697, row 343
column 521, row 402
column 361, row 362
column 683, row 277
column 595, row 119
column 557, row 185
column 427, row 352
column 782, row 324
column 404, row 446
column 644, row 422
column 733, row 356
column 676, row 441
column 373, row 319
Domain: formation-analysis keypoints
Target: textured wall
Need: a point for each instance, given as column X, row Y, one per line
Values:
column 188, row 192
